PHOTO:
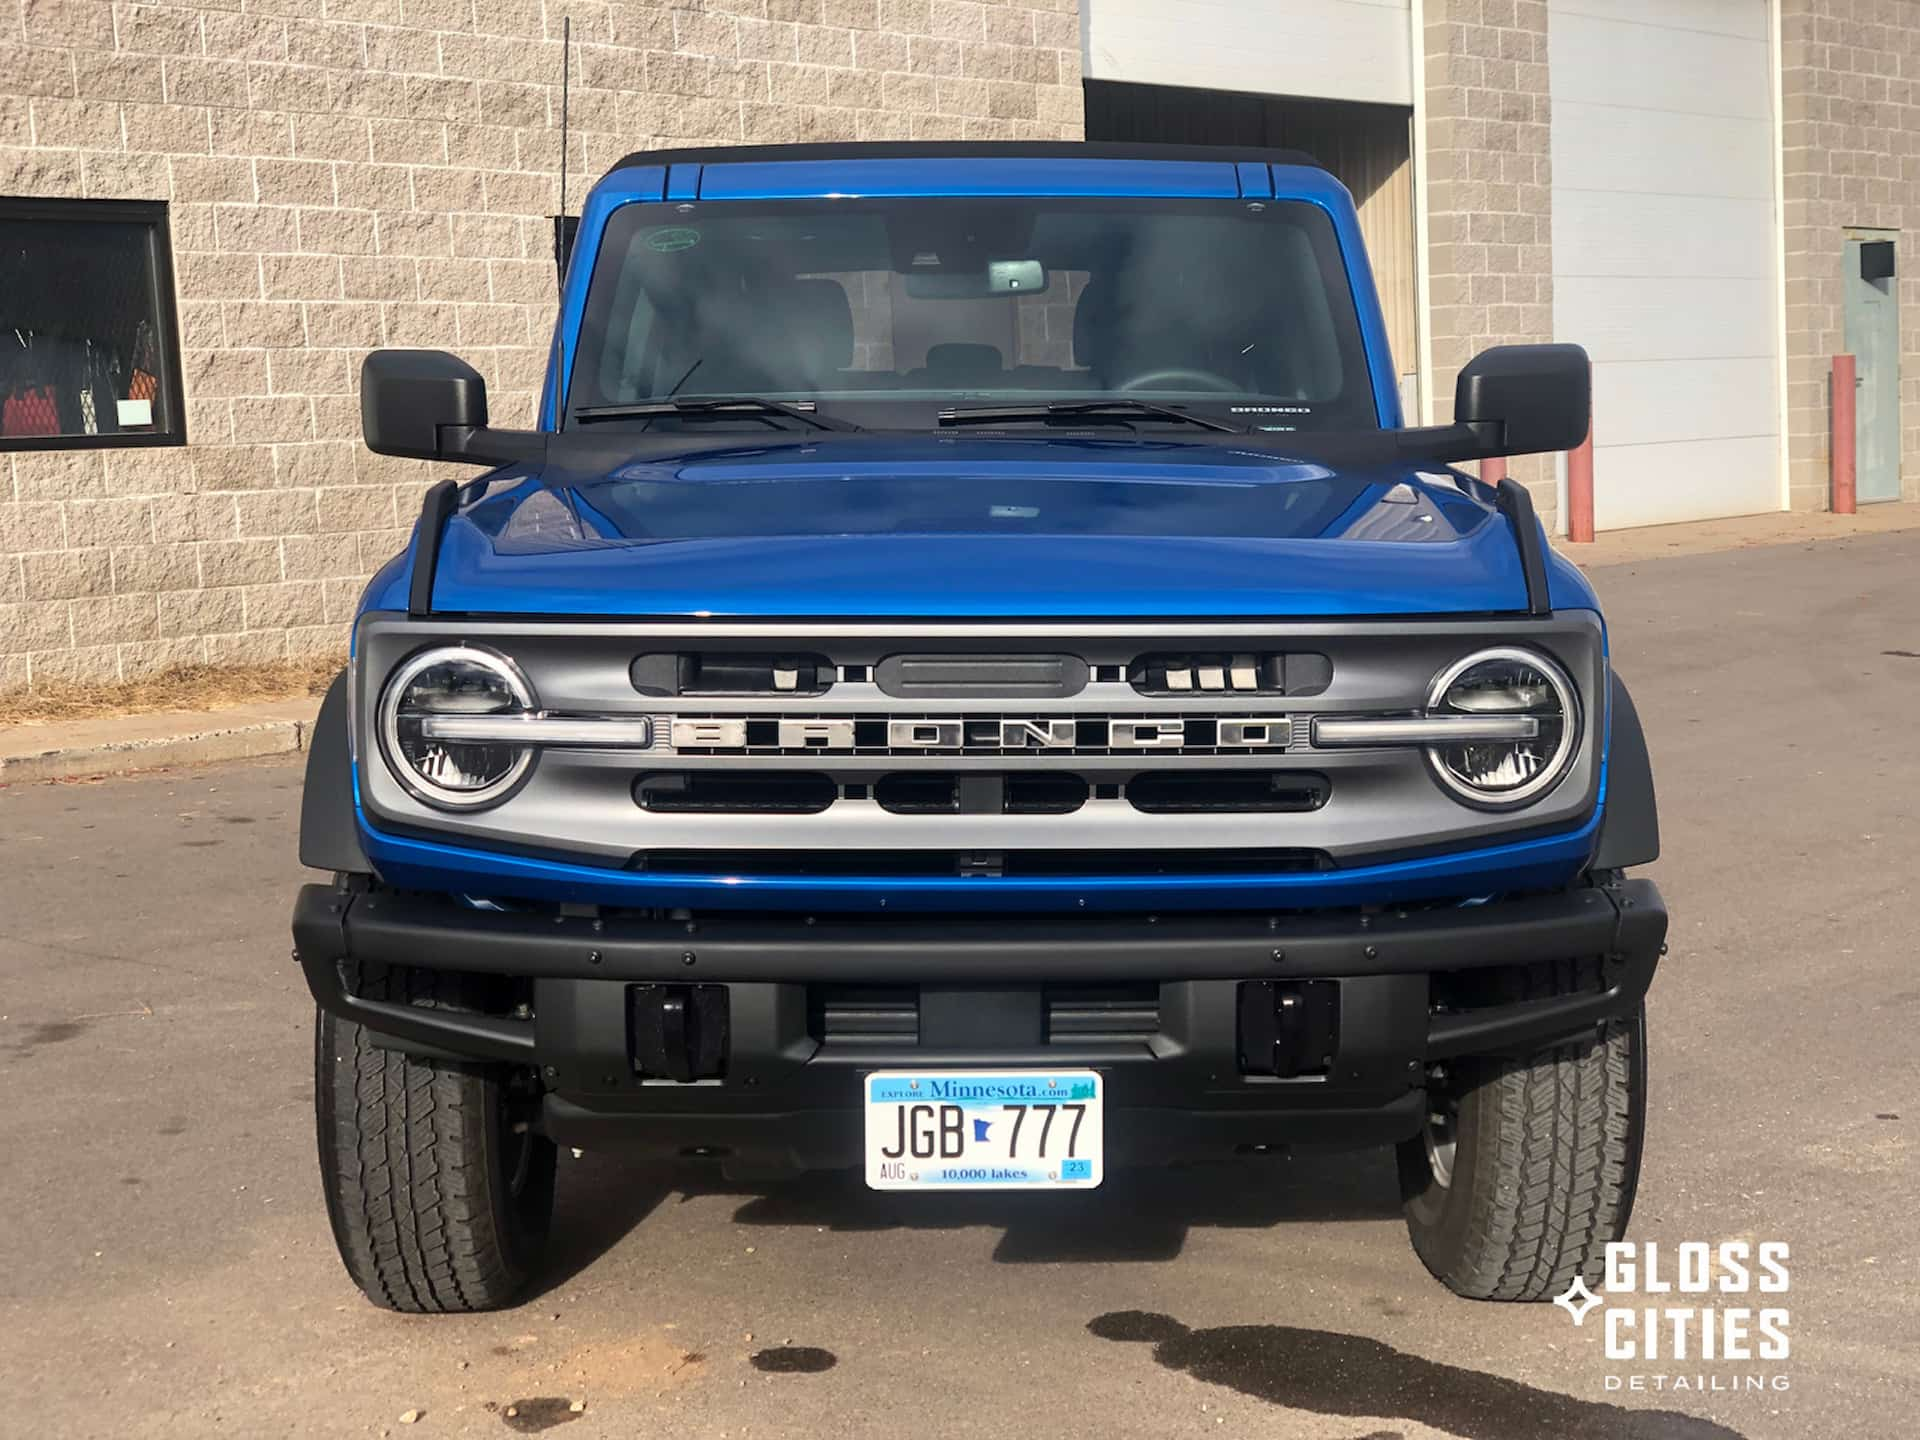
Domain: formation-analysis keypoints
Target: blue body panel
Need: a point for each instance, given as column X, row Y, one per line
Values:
column 894, row 570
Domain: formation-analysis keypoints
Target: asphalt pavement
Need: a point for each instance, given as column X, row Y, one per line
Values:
column 166, row 1268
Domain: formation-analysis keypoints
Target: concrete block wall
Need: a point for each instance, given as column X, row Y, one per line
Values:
column 1850, row 115
column 1489, row 195
column 345, row 174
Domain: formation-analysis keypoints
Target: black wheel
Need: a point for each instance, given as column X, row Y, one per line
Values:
column 1527, row 1167
column 439, row 1192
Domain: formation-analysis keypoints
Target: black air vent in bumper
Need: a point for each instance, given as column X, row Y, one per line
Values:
column 982, row 863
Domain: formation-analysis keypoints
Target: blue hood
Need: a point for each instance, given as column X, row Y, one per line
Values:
column 944, row 526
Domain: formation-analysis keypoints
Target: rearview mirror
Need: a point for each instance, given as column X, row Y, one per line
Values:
column 1526, row 399
column 999, row 277
column 429, row 405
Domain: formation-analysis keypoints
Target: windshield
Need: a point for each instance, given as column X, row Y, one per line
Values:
column 885, row 312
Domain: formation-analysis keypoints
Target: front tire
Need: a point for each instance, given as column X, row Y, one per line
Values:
column 438, row 1192
column 1528, row 1168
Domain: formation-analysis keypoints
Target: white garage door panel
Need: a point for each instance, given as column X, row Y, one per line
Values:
column 1654, row 66
column 1596, row 234
column 1661, row 152
column 1726, row 17
column 1333, row 49
column 1666, row 251
column 1652, row 401
column 1637, row 318
column 1684, row 480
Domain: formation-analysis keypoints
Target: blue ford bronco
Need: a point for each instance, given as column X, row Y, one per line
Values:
column 973, row 678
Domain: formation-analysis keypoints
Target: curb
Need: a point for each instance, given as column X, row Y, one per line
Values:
column 242, row 741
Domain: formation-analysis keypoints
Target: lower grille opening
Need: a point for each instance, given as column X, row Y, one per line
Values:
column 889, row 1015
column 990, row 863
column 973, row 794
column 1090, row 1013
column 765, row 792
column 864, row 1014
column 1200, row 792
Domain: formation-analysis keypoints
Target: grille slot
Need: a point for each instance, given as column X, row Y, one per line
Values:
column 1221, row 792
column 1245, row 861
column 718, row 792
column 969, row 794
column 1090, row 1014
column 1230, row 673
column 961, row 677
column 725, row 673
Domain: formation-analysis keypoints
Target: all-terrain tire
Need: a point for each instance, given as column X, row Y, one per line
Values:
column 1545, row 1158
column 438, row 1205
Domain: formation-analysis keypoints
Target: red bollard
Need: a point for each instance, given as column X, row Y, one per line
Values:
column 1580, row 490
column 1843, row 434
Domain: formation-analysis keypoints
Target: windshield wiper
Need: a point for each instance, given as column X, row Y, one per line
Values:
column 701, row 407
column 1110, row 409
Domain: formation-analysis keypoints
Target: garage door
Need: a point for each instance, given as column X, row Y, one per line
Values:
column 1334, row 49
column 1664, row 257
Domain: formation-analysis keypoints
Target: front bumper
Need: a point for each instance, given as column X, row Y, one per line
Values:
column 787, row 1094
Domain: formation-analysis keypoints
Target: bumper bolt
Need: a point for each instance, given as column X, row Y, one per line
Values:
column 1372, row 952
column 1278, row 956
column 593, row 957
column 687, row 959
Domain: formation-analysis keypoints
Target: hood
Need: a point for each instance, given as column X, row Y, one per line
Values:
column 942, row 526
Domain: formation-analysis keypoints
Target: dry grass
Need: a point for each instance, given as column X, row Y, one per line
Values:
column 189, row 687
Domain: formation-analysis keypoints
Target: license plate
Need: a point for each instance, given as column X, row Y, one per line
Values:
column 984, row 1130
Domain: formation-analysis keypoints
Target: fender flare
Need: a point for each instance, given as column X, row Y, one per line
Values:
column 1630, row 828
column 329, row 829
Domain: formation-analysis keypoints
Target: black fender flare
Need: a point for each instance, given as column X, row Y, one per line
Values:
column 329, row 832
column 1630, row 829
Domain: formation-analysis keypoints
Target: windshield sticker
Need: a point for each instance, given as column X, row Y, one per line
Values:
column 670, row 239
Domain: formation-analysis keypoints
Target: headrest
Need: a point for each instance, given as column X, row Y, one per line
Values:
column 961, row 362
column 818, row 321
column 1091, row 320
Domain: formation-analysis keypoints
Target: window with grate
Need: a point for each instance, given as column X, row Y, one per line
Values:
column 89, row 341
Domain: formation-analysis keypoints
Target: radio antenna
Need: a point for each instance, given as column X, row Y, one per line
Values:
column 562, row 251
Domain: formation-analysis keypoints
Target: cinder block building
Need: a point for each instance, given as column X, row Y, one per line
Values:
column 210, row 210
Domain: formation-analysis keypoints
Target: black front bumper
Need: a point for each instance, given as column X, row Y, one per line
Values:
column 788, row 1094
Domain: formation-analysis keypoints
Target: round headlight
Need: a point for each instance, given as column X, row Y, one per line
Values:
column 448, row 684
column 1516, row 684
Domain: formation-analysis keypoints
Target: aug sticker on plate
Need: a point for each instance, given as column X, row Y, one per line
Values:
column 984, row 1130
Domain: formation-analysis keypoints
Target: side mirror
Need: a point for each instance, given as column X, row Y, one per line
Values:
column 1525, row 399
column 429, row 405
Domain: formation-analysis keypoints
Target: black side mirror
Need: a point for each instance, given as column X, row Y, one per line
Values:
column 1525, row 399
column 429, row 405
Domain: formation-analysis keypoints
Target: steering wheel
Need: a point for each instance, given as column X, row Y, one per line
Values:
column 1162, row 380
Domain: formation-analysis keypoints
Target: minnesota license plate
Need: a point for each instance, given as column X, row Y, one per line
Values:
column 984, row 1130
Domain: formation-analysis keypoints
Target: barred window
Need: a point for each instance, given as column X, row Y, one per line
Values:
column 89, row 341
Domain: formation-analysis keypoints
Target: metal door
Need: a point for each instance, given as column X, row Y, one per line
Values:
column 1873, row 337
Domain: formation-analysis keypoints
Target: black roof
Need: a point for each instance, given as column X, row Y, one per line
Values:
column 965, row 150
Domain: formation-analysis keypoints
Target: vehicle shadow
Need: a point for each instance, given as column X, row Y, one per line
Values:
column 598, row 1201
column 1136, row 1215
